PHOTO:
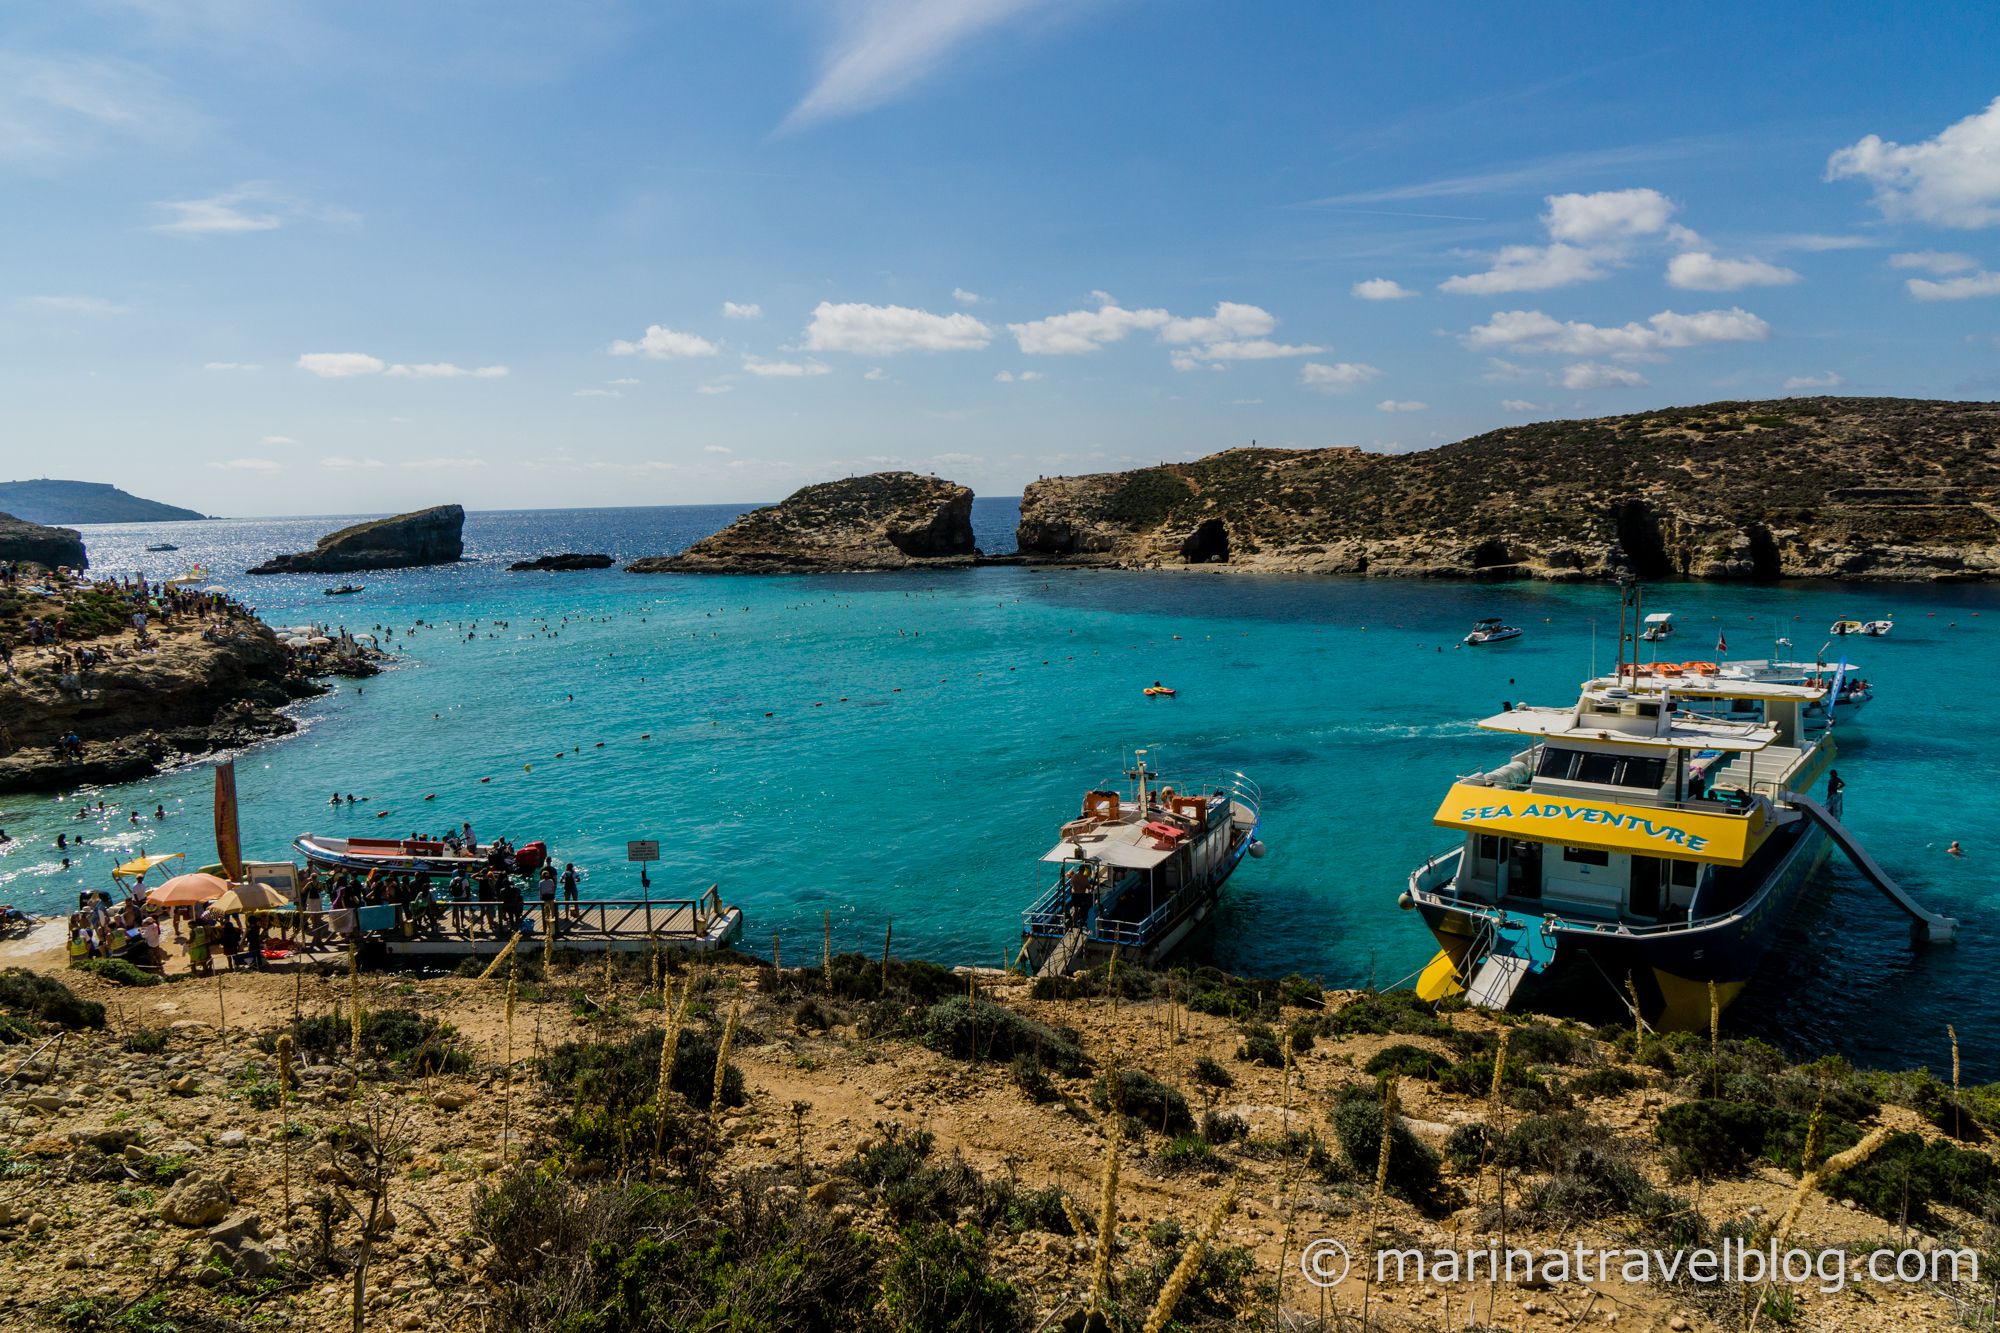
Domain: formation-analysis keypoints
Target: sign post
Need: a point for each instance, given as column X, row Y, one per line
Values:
column 642, row 851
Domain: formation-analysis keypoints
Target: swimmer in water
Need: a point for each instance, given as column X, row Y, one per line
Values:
column 1954, row 849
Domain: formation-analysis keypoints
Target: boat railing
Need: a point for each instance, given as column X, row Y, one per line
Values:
column 1432, row 883
column 590, row 918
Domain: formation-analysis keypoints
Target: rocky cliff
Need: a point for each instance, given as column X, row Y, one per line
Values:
column 886, row 520
column 1800, row 487
column 31, row 543
column 433, row 536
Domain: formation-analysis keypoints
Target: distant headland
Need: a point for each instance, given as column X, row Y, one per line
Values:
column 46, row 500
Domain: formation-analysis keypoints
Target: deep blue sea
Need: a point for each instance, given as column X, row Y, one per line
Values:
column 905, row 745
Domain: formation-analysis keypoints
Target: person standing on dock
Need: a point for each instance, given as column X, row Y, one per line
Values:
column 569, row 883
column 545, row 887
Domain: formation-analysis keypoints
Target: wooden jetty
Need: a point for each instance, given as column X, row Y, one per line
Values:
column 618, row 925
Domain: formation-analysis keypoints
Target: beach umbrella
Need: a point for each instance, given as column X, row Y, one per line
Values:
column 250, row 898
column 318, row 641
column 134, row 869
column 186, row 890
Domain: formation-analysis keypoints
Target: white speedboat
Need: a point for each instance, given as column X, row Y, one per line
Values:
column 1875, row 629
column 1659, row 627
column 1844, row 627
column 1491, row 629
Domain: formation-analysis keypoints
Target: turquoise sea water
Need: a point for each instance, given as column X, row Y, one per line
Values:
column 929, row 732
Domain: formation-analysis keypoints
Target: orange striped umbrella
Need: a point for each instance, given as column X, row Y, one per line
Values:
column 183, row 890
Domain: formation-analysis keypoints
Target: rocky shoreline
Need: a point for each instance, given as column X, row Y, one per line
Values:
column 434, row 536
column 92, row 708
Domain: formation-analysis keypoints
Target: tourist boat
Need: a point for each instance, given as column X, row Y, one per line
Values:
column 1491, row 629
column 345, row 589
column 1845, row 692
column 1634, row 847
column 1139, row 868
column 1875, row 629
column 163, row 546
column 405, row 855
column 1659, row 627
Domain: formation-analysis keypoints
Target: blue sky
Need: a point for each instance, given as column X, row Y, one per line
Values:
column 267, row 257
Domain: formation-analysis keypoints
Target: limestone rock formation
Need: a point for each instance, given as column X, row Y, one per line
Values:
column 433, row 536
column 886, row 520
column 31, row 543
column 1792, row 488
column 568, row 560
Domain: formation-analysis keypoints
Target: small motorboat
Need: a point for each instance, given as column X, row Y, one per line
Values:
column 1491, row 629
column 408, row 856
column 163, row 546
column 345, row 590
column 1875, row 629
column 1659, row 626
column 1846, row 627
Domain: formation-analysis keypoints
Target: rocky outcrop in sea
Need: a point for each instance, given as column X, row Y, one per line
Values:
column 434, row 536
column 568, row 560
column 22, row 542
column 886, row 520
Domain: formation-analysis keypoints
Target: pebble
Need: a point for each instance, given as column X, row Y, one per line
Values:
column 231, row 1138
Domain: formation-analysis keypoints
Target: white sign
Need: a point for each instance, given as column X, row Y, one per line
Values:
column 648, row 850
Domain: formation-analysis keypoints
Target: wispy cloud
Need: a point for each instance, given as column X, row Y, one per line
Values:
column 231, row 365
column 884, row 48
column 250, row 207
column 248, row 465
column 1536, row 174
column 351, row 365
column 58, row 106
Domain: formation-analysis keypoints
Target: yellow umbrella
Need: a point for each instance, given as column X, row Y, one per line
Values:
column 250, row 898
column 134, row 869
column 185, row 890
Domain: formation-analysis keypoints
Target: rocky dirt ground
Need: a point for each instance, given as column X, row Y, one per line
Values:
column 160, row 1173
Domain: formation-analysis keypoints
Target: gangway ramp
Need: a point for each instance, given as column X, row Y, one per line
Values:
column 1930, row 925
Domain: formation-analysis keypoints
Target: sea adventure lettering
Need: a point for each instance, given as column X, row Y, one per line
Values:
column 1584, row 814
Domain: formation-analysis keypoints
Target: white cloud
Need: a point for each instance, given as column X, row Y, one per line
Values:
column 340, row 365
column 596, row 393
column 277, row 440
column 1381, row 289
column 71, row 305
column 1934, row 261
column 1246, row 402
column 785, row 369
column 886, row 47
column 875, row 374
column 248, row 465
column 1530, row 268
column 664, row 344
column 58, row 106
column 1596, row 375
column 342, row 463
column 1952, row 180
column 1394, row 405
column 742, row 310
column 1257, row 349
column 442, row 464
column 1082, row 331
column 1025, row 377
column 1606, row 216
column 883, row 330
column 1955, row 289
column 231, row 365
column 1533, row 331
column 1518, row 405
column 218, row 215
column 445, row 370
column 717, row 449
column 1186, row 360
column 1699, row 271
column 1231, row 320
column 713, row 389
column 1819, row 241
column 1336, row 378
column 963, row 297
column 622, row 380
column 1830, row 380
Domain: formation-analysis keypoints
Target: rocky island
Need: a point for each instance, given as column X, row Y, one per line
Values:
column 1877, row 488
column 885, row 520
column 22, row 542
column 568, row 560
column 433, row 536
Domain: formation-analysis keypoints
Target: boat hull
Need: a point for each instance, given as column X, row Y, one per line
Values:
column 1670, row 970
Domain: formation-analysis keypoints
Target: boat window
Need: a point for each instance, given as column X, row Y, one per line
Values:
column 1597, row 768
column 1685, row 873
column 1586, row 856
column 1648, row 773
column 1555, row 763
column 1607, row 770
column 1489, row 847
column 1649, row 710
